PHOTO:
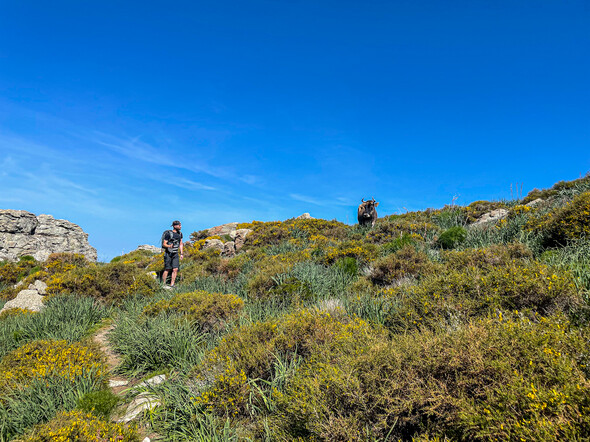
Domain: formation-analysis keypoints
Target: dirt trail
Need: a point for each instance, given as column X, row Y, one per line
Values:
column 112, row 358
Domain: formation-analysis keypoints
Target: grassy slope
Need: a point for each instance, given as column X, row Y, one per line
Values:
column 426, row 327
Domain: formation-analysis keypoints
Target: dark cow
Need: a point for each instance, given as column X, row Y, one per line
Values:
column 367, row 213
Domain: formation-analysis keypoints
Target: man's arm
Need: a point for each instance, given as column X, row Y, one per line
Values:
column 181, row 247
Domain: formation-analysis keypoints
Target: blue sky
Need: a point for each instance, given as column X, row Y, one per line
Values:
column 122, row 116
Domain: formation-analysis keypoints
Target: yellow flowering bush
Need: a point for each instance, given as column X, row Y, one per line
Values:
column 564, row 224
column 488, row 257
column 77, row 426
column 495, row 379
column 353, row 249
column 110, row 282
column 15, row 312
column 249, row 353
column 395, row 226
column 209, row 310
column 406, row 262
column 457, row 295
column 62, row 262
column 46, row 358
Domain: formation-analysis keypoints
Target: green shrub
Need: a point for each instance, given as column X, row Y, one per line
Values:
column 348, row 265
column 510, row 379
column 398, row 244
column 452, row 237
column 100, row 403
column 487, row 258
column 140, row 258
column 564, row 224
column 110, row 282
column 82, row 427
column 455, row 296
column 249, row 355
column 407, row 262
column 209, row 310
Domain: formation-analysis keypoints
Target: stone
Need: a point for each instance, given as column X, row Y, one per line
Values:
column 26, row 299
column 224, row 229
column 143, row 401
column 149, row 248
column 23, row 233
column 156, row 380
column 494, row 215
column 229, row 249
column 534, row 203
column 146, row 439
column 213, row 244
column 115, row 383
column 240, row 238
column 40, row 286
column 305, row 216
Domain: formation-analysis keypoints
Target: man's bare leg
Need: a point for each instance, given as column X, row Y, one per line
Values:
column 164, row 277
column 173, row 277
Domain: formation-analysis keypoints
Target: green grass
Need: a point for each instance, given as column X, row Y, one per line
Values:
column 64, row 317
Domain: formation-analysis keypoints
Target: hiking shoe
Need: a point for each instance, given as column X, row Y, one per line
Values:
column 168, row 287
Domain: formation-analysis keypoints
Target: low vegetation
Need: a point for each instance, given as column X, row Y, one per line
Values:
column 427, row 327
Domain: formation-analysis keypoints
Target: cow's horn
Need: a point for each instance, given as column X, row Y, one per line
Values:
column 373, row 198
column 362, row 200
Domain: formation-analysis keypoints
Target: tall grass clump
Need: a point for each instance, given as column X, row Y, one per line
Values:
column 149, row 344
column 65, row 317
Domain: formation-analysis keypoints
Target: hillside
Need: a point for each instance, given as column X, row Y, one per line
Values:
column 459, row 323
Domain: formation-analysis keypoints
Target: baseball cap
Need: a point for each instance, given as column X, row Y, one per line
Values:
column 175, row 223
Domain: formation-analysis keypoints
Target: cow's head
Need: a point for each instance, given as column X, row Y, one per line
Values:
column 366, row 210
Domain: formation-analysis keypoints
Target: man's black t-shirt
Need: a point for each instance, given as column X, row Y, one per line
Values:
column 173, row 237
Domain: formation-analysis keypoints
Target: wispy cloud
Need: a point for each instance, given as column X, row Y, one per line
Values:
column 337, row 201
column 137, row 149
column 190, row 185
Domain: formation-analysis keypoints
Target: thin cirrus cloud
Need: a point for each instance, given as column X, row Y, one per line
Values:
column 338, row 201
column 136, row 149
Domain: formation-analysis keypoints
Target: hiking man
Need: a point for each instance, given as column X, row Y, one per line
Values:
column 172, row 244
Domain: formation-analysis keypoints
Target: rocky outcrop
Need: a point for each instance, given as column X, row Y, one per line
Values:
column 224, row 229
column 23, row 233
column 494, row 215
column 28, row 299
column 305, row 216
column 149, row 248
column 230, row 248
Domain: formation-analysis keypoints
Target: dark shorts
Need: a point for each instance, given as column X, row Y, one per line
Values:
column 171, row 261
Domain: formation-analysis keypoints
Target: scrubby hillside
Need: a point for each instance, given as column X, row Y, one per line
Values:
column 432, row 325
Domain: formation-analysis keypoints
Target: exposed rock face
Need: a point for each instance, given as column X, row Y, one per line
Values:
column 213, row 244
column 26, row 299
column 241, row 235
column 23, row 233
column 494, row 215
column 224, row 229
column 305, row 216
column 230, row 248
column 534, row 203
column 149, row 248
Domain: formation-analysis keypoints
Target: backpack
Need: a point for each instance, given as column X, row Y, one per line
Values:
column 171, row 232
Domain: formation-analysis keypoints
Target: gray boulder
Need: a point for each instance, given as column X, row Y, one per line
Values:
column 240, row 238
column 149, row 248
column 23, row 233
column 26, row 299
column 213, row 244
column 224, row 229
column 494, row 215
